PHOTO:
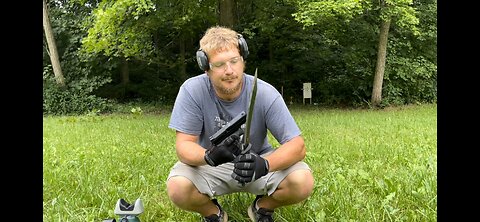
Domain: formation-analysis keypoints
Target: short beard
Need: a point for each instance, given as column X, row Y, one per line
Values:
column 229, row 91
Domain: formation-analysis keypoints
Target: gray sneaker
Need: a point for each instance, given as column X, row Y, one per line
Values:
column 214, row 217
column 259, row 215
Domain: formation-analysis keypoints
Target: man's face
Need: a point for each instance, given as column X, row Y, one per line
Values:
column 226, row 73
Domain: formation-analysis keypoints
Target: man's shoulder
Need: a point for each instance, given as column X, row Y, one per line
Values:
column 196, row 84
column 266, row 92
column 261, row 84
column 195, row 80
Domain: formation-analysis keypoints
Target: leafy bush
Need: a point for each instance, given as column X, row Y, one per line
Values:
column 75, row 98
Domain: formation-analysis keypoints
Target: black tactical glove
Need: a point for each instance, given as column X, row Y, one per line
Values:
column 224, row 152
column 249, row 167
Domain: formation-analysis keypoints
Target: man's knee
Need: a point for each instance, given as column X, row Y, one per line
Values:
column 179, row 188
column 301, row 182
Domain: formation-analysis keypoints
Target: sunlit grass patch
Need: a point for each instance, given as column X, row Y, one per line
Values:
column 369, row 165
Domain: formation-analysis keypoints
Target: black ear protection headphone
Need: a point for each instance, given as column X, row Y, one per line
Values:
column 202, row 58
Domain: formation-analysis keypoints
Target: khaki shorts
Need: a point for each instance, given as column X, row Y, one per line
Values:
column 217, row 181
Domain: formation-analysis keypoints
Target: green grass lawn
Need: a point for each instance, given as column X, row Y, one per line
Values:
column 369, row 165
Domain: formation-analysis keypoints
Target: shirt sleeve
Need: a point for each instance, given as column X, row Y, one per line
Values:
column 280, row 122
column 186, row 115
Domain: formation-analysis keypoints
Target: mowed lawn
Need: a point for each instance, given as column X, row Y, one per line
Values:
column 369, row 165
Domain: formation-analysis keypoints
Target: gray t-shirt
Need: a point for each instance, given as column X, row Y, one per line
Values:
column 198, row 111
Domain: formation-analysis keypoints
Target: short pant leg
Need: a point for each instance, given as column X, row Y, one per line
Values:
column 217, row 181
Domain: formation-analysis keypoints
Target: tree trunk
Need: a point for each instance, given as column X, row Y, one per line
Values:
column 125, row 76
column 380, row 68
column 227, row 13
column 52, row 47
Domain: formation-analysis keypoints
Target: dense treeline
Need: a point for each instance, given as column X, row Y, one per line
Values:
column 142, row 50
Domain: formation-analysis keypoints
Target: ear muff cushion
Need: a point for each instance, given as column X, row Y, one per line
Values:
column 242, row 44
column 202, row 60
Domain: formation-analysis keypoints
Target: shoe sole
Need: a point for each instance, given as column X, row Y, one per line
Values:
column 251, row 215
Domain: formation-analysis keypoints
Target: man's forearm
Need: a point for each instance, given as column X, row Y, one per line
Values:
column 287, row 154
column 190, row 153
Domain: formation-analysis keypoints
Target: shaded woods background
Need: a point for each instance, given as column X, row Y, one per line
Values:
column 121, row 51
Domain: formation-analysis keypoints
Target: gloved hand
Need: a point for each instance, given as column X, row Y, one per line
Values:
column 249, row 167
column 224, row 152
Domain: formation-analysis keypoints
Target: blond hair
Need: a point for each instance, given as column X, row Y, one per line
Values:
column 219, row 39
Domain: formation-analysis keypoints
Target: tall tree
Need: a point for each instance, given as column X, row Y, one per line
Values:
column 404, row 15
column 313, row 12
column 57, row 69
column 380, row 68
column 227, row 13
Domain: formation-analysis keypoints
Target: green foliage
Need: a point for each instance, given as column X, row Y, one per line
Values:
column 332, row 44
column 410, row 80
column 410, row 75
column 137, row 111
column 76, row 98
column 312, row 13
column 403, row 13
column 83, row 74
column 119, row 29
column 411, row 70
column 149, row 35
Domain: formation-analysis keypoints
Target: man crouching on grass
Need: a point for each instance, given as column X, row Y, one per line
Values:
column 206, row 102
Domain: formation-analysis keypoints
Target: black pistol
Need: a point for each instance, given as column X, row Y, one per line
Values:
column 229, row 129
